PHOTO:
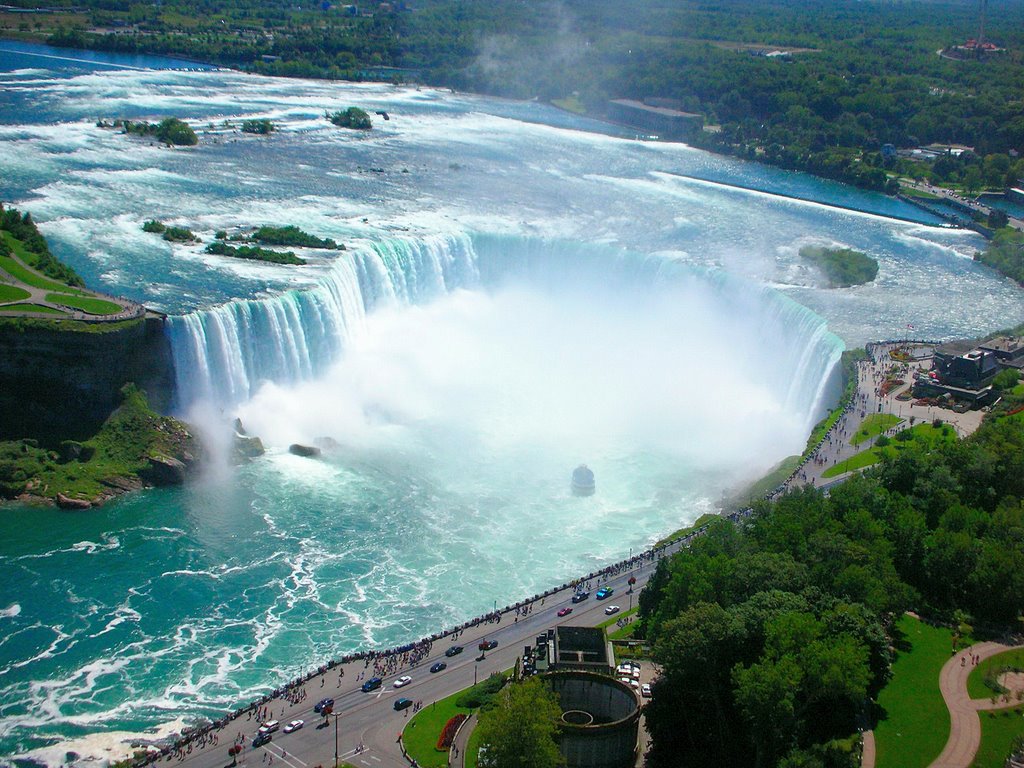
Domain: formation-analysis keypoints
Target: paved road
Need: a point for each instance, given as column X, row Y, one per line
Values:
column 369, row 718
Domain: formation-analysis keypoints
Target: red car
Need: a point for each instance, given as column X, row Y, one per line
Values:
column 565, row 611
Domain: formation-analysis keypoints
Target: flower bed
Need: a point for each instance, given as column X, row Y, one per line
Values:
column 444, row 741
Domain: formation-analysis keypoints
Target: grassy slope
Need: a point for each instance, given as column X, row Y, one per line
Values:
column 923, row 434
column 914, row 724
column 120, row 448
column 85, row 303
column 15, row 269
column 874, row 424
column 705, row 518
column 998, row 730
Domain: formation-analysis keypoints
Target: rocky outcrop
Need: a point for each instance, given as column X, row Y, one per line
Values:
column 68, row 503
column 303, row 450
column 164, row 470
column 245, row 446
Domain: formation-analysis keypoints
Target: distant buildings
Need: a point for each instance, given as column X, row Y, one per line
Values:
column 965, row 369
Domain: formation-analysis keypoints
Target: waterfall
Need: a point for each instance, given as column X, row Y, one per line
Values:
column 224, row 354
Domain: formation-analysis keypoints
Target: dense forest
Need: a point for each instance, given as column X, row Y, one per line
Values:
column 773, row 635
column 844, row 80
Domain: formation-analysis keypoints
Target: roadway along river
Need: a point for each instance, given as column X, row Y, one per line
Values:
column 370, row 719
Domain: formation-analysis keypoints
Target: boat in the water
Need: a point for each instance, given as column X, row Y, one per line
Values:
column 583, row 481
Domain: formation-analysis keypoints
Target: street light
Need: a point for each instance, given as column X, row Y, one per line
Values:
column 329, row 711
column 474, row 672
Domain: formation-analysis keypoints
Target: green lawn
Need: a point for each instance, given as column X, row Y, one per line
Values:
column 612, row 619
column 874, row 424
column 998, row 730
column 12, row 293
column 913, row 720
column 976, row 681
column 33, row 308
column 85, row 303
column 16, row 269
column 473, row 748
column 705, row 518
column 924, row 436
column 420, row 735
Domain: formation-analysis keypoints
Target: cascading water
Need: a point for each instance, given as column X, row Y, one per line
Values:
column 223, row 355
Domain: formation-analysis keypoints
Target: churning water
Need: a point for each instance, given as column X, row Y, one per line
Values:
column 522, row 291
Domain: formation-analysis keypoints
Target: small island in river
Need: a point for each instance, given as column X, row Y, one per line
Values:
column 842, row 267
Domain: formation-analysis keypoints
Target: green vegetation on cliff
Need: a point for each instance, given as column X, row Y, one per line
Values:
column 353, row 117
column 134, row 447
column 843, row 267
column 253, row 253
column 1005, row 253
column 262, row 126
column 24, row 240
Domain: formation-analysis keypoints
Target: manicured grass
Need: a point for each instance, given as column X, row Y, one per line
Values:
column 570, row 104
column 16, row 269
column 612, row 619
column 998, row 730
column 925, row 436
column 420, row 735
column 32, row 308
column 623, row 633
column 473, row 748
column 12, row 293
column 914, row 722
column 912, row 192
column 874, row 424
column 85, row 303
column 995, row 664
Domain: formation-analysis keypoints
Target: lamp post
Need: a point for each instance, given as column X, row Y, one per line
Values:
column 329, row 711
column 474, row 673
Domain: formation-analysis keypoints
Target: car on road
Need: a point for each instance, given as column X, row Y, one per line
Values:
column 611, row 610
column 564, row 611
column 319, row 706
column 260, row 739
column 488, row 645
column 372, row 684
column 604, row 592
column 402, row 681
column 439, row 666
column 270, row 726
column 455, row 650
column 401, row 704
column 294, row 725
column 645, row 690
column 579, row 597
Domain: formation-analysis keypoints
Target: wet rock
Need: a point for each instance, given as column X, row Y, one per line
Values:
column 164, row 470
column 303, row 450
column 65, row 502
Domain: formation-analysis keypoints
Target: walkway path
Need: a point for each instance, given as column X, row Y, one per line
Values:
column 965, row 726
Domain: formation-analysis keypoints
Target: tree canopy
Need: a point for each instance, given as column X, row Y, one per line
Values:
column 520, row 731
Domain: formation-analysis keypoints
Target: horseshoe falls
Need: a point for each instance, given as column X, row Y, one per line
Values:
column 521, row 291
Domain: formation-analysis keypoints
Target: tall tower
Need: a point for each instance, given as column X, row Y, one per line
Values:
column 981, row 25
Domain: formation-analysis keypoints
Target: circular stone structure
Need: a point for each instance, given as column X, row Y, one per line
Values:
column 600, row 719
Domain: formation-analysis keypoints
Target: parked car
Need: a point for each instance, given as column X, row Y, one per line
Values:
column 579, row 597
column 270, row 726
column 260, row 739
column 401, row 704
column 402, row 681
column 319, row 706
column 438, row 666
column 604, row 592
column 455, row 650
column 294, row 725
column 611, row 610
column 372, row 684
column 645, row 690
column 564, row 611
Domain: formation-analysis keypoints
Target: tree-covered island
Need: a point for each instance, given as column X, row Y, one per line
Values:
column 842, row 267
column 171, row 131
column 353, row 117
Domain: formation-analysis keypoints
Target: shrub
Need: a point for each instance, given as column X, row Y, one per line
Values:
column 154, row 226
column 353, row 117
column 444, row 741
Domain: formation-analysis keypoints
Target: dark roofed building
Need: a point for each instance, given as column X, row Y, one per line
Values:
column 584, row 648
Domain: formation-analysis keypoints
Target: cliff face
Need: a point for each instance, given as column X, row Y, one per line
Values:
column 60, row 380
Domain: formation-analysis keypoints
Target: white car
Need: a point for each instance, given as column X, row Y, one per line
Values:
column 611, row 610
column 625, row 680
column 294, row 725
column 636, row 673
column 402, row 681
column 645, row 690
column 270, row 726
column 623, row 670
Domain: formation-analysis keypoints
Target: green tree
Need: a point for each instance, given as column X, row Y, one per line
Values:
column 520, row 731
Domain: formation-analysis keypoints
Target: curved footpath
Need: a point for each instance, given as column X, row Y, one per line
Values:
column 965, row 725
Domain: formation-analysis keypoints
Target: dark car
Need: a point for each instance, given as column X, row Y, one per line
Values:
column 579, row 597
column 260, row 739
column 455, row 650
column 319, row 706
column 401, row 704
column 488, row 645
column 604, row 592
column 439, row 666
column 372, row 684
